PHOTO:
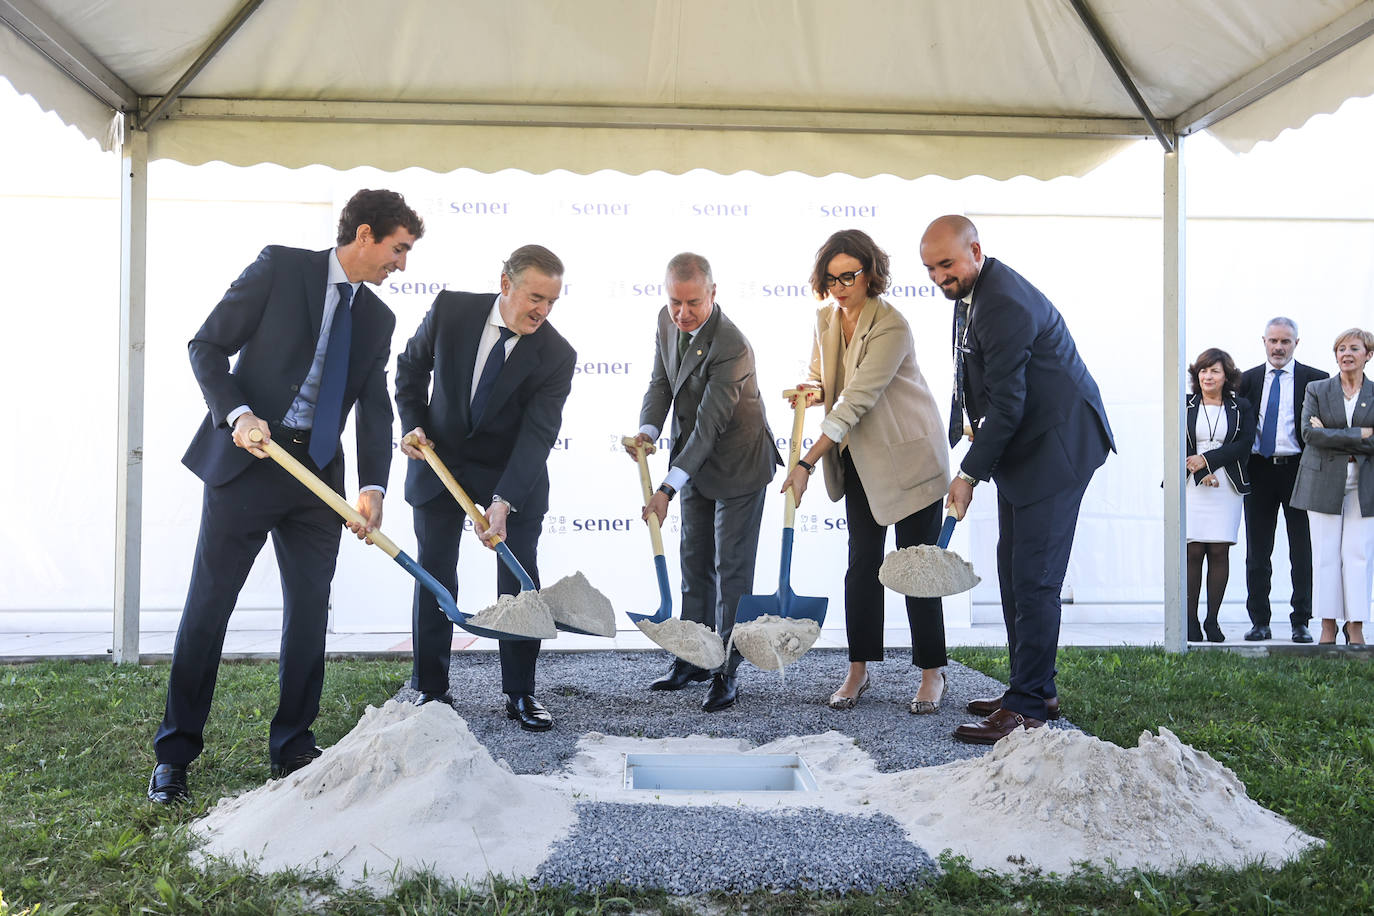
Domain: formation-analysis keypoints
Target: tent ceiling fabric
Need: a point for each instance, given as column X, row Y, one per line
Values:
column 765, row 85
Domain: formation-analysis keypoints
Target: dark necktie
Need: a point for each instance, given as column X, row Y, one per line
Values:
column 684, row 340
column 324, row 436
column 1271, row 417
column 495, row 360
column 956, row 407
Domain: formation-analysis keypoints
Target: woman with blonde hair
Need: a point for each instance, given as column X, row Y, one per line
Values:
column 1336, row 486
column 882, row 443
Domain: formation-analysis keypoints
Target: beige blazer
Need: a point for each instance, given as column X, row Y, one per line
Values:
column 885, row 414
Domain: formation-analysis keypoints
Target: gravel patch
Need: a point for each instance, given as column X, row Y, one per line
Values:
column 608, row 692
column 731, row 849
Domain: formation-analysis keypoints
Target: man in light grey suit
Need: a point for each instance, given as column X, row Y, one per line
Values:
column 722, row 458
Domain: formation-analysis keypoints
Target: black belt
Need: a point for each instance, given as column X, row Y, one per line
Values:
column 1279, row 459
column 287, row 434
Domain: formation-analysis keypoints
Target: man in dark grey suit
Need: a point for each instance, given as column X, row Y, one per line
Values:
column 309, row 341
column 1275, row 391
column 722, row 458
column 1040, row 431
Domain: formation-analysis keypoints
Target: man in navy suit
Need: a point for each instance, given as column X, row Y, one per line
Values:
column 1273, row 470
column 1039, row 431
column 500, row 374
column 312, row 341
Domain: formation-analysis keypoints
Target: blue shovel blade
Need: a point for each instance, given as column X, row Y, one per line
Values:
column 446, row 600
column 665, row 595
column 785, row 603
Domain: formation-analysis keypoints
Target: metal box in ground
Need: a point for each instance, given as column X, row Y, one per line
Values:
column 718, row 773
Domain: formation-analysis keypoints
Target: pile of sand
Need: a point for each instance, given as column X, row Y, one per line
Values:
column 689, row 641
column 576, row 604
column 1048, row 798
column 771, row 642
column 521, row 614
column 409, row 788
column 926, row 571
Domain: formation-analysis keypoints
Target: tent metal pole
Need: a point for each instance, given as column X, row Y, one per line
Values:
column 1175, row 284
column 1104, row 44
column 33, row 24
column 133, row 247
column 218, row 42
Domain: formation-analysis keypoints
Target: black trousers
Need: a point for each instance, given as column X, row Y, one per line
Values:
column 1033, row 546
column 864, row 595
column 1272, row 487
column 438, row 529
column 235, row 520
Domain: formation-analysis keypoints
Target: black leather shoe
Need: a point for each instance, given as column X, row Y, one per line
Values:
column 167, row 785
column 1256, row 633
column 284, row 768
column 446, row 698
column 680, row 675
column 529, row 712
column 1301, row 633
column 723, row 693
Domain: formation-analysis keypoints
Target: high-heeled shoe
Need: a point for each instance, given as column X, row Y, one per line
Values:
column 1213, row 630
column 1345, row 631
column 840, row 701
column 1194, row 630
column 920, row 707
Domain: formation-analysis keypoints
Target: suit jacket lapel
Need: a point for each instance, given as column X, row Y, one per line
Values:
column 861, row 329
column 316, row 274
column 469, row 336
column 524, row 356
column 1190, row 424
column 1364, row 405
column 696, row 350
column 830, row 351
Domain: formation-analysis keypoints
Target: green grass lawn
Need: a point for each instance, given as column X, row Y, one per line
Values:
column 77, row 835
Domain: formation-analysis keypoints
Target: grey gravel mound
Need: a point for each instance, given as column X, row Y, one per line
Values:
column 608, row 692
column 732, row 849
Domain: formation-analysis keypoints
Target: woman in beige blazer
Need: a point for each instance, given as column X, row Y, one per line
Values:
column 1335, row 484
column 883, row 450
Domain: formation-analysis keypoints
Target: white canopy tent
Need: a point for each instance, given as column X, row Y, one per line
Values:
column 907, row 87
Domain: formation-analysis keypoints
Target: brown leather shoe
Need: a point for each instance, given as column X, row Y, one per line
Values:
column 994, row 728
column 989, row 705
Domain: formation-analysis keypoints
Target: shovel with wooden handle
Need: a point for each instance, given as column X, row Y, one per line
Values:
column 785, row 603
column 665, row 594
column 336, row 502
column 479, row 524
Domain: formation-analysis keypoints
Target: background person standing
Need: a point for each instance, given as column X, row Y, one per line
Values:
column 1273, row 470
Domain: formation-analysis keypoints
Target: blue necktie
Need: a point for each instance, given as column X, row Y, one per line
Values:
column 956, row 407
column 495, row 360
column 324, row 435
column 1271, row 417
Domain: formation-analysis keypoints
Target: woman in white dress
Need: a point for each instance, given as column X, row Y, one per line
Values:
column 1335, row 485
column 1220, row 432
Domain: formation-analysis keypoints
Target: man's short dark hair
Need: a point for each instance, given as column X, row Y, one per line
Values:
column 856, row 244
column 384, row 211
column 536, row 256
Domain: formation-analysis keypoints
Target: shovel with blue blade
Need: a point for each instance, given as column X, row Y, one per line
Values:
column 786, row 603
column 479, row 524
column 665, row 593
column 336, row 502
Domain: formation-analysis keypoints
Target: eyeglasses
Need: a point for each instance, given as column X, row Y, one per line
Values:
column 845, row 279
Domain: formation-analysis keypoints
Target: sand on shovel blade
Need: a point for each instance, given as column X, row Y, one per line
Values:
column 575, row 603
column 692, row 642
column 926, row 571
column 771, row 642
column 523, row 614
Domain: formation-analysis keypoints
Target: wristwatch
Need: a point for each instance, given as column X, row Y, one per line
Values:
column 496, row 498
column 803, row 463
column 967, row 478
column 667, row 491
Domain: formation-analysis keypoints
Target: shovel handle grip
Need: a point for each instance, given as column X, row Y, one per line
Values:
column 640, row 449
column 798, row 398
column 947, row 529
column 321, row 489
column 436, row 464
